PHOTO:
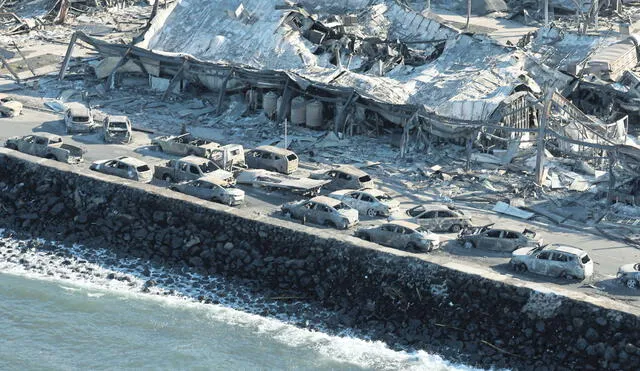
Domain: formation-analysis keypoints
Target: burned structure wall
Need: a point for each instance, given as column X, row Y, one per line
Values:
column 400, row 297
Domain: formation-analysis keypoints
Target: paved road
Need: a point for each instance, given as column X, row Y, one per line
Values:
column 608, row 255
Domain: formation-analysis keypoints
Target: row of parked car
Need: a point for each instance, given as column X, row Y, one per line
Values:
column 211, row 171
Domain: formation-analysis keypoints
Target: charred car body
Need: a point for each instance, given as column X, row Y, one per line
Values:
column 629, row 274
column 217, row 187
column 345, row 177
column 9, row 107
column 504, row 240
column 117, row 129
column 273, row 159
column 48, row 146
column 124, row 167
column 78, row 119
column 401, row 235
column 436, row 218
column 186, row 168
column 322, row 210
column 370, row 202
column 553, row 260
column 227, row 156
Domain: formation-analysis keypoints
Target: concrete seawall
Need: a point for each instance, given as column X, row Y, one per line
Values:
column 411, row 300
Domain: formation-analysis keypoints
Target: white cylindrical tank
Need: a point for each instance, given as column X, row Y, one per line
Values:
column 270, row 103
column 298, row 111
column 314, row 114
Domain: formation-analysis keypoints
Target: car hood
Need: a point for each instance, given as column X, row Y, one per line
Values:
column 96, row 164
column 431, row 236
column 628, row 268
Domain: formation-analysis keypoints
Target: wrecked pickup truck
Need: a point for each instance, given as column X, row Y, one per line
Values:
column 227, row 157
column 48, row 146
column 276, row 181
column 186, row 168
column 488, row 238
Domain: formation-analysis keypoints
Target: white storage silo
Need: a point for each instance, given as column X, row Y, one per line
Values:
column 314, row 114
column 298, row 111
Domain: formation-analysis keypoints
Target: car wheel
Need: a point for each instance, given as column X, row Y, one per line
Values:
column 371, row 213
column 287, row 214
column 469, row 245
column 565, row 276
column 167, row 178
column 631, row 283
column 520, row 267
column 12, row 146
column 365, row 237
column 50, row 157
column 455, row 228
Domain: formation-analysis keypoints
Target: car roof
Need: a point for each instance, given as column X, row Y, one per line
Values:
column 119, row 118
column 566, row 249
column 194, row 159
column 326, row 200
column 372, row 191
column 432, row 207
column 274, row 149
column 349, row 169
column 78, row 109
column 49, row 136
column 404, row 223
column 131, row 161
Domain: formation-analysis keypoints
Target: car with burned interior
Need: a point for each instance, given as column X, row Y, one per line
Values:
column 272, row 158
column 553, row 260
column 79, row 119
column 270, row 180
column 344, row 177
column 48, row 146
column 117, row 129
column 402, row 235
column 217, row 186
column 629, row 275
column 124, row 167
column 186, row 168
column 369, row 201
column 504, row 240
column 322, row 210
column 436, row 218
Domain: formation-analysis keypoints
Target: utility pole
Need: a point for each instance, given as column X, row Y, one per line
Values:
column 285, row 133
column 468, row 14
column 541, row 133
column 428, row 5
column 546, row 13
column 596, row 9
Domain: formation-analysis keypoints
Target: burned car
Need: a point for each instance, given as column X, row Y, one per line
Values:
column 504, row 240
column 9, row 107
column 217, row 187
column 124, row 167
column 48, row 146
column 322, row 210
column 436, row 218
column 345, row 177
column 78, row 119
column 117, row 129
column 629, row 274
column 553, row 260
column 401, row 235
column 370, row 202
column 272, row 158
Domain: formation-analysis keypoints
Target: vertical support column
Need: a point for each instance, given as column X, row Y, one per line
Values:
column 612, row 177
column 286, row 95
column 466, row 27
column 67, row 56
column 546, row 13
column 223, row 91
column 541, row 134
column 596, row 9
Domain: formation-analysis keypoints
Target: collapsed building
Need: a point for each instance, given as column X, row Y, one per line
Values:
column 383, row 68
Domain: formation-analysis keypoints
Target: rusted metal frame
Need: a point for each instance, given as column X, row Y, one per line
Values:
column 340, row 121
column 175, row 79
column 223, row 90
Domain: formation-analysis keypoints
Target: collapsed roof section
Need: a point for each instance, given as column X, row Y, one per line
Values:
column 466, row 79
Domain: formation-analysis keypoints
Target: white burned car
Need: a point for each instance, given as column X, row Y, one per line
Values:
column 344, row 177
column 437, row 218
column 218, row 187
column 629, row 274
column 78, row 119
column 553, row 260
column 124, row 167
column 117, row 129
column 401, row 235
column 370, row 202
column 322, row 210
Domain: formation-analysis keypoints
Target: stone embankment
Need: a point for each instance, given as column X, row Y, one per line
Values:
column 402, row 298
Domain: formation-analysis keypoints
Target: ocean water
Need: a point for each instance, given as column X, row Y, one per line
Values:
column 65, row 308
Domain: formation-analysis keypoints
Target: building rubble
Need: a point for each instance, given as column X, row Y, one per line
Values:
column 419, row 99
